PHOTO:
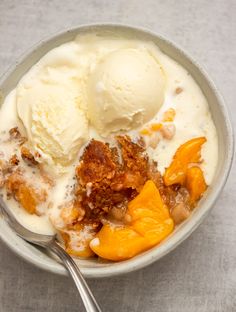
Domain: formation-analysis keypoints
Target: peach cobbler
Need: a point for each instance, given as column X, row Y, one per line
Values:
column 107, row 142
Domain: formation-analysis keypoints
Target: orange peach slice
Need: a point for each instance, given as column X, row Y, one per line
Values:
column 150, row 224
column 75, row 245
column 195, row 183
column 186, row 154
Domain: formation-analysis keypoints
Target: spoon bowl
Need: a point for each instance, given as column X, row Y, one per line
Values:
column 50, row 242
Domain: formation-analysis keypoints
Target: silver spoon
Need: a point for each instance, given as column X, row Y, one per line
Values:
column 50, row 242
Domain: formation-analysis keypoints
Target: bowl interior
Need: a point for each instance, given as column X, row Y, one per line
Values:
column 93, row 268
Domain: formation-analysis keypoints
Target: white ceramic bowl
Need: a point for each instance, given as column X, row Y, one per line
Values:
column 91, row 268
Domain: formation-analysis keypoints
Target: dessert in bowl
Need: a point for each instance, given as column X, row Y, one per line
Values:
column 108, row 141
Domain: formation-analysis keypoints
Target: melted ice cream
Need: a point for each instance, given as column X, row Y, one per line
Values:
column 78, row 59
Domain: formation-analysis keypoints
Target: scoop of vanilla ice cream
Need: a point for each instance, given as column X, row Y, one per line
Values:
column 51, row 102
column 56, row 126
column 125, row 90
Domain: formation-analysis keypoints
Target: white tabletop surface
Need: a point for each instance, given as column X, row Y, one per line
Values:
column 200, row 275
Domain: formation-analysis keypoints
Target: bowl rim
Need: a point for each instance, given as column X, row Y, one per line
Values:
column 154, row 254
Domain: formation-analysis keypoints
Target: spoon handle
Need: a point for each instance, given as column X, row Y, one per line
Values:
column 86, row 295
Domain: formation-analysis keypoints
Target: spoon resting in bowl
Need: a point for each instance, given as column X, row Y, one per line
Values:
column 50, row 242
